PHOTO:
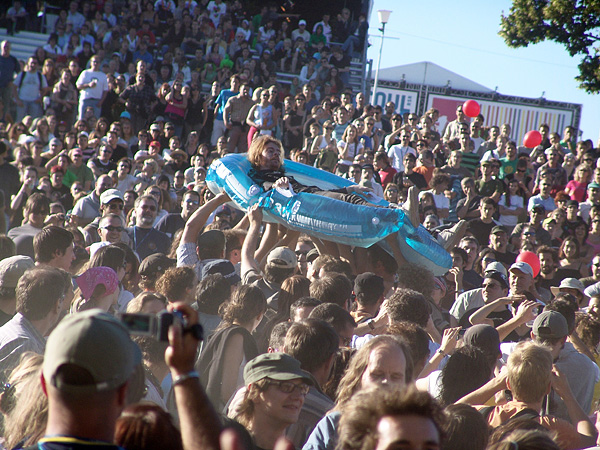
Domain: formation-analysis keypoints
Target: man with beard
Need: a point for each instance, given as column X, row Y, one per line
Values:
column 145, row 239
column 550, row 275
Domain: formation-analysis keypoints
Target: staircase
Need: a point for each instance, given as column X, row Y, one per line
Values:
column 24, row 43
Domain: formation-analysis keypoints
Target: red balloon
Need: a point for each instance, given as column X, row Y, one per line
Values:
column 531, row 259
column 532, row 139
column 471, row 108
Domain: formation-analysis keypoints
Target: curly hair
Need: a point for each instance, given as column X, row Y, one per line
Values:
column 175, row 281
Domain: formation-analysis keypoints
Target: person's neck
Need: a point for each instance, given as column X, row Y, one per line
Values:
column 537, row 406
column 266, row 431
column 486, row 219
column 64, row 422
column 44, row 325
column 144, row 227
column 371, row 310
column 549, row 275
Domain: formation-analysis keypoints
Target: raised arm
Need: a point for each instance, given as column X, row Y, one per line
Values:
column 200, row 216
column 200, row 425
column 250, row 243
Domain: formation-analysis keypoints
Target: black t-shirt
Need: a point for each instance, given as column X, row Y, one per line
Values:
column 481, row 230
column 170, row 224
column 147, row 241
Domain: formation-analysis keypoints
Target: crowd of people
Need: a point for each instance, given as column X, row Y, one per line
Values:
column 106, row 221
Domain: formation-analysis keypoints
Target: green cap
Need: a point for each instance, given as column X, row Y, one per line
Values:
column 276, row 366
column 95, row 342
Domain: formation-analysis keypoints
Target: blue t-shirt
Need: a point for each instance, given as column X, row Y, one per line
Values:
column 221, row 101
column 8, row 67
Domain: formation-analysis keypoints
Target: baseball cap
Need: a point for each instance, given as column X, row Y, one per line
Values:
column 211, row 239
column 522, row 267
column 550, row 325
column 312, row 254
column 282, row 257
column 222, row 266
column 12, row 269
column 498, row 229
column 155, row 126
column 496, row 267
column 276, row 366
column 368, row 283
column 487, row 162
column 593, row 184
column 160, row 119
column 538, row 208
column 155, row 263
column 498, row 276
column 95, row 276
column 302, row 22
column 483, row 336
column 84, row 133
column 97, row 343
column 154, row 144
column 125, row 115
column 110, row 194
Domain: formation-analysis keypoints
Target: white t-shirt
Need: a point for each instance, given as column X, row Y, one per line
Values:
column 87, row 76
column 28, row 85
column 397, row 154
column 516, row 201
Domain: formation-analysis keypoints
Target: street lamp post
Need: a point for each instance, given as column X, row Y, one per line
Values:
column 384, row 17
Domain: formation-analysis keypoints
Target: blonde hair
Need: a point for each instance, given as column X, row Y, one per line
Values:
column 258, row 146
column 29, row 412
column 529, row 371
column 244, row 413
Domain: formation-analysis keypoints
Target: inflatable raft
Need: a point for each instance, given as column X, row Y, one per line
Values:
column 324, row 217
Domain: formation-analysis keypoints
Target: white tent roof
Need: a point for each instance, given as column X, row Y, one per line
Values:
column 430, row 74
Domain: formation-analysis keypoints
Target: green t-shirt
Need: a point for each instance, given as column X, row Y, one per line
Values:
column 82, row 173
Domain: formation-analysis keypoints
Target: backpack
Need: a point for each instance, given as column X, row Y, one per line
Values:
column 23, row 77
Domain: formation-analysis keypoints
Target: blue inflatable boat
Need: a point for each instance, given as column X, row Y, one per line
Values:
column 324, row 217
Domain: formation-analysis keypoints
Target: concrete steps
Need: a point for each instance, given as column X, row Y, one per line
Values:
column 24, row 43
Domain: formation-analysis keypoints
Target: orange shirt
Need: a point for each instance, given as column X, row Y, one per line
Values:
column 427, row 172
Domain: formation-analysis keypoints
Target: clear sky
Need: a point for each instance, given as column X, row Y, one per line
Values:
column 462, row 36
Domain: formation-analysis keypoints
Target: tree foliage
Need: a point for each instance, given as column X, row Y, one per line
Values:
column 573, row 23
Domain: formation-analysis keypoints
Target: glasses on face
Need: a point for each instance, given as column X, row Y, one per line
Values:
column 112, row 228
column 192, row 202
column 529, row 233
column 106, row 150
column 287, row 387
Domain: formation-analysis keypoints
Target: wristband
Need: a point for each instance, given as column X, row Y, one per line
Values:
column 441, row 352
column 186, row 376
column 371, row 324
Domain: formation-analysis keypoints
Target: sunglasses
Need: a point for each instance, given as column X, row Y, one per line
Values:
column 111, row 228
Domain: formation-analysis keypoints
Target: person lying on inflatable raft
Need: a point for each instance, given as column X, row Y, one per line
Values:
column 266, row 158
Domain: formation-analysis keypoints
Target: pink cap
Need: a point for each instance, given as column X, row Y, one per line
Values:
column 91, row 278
